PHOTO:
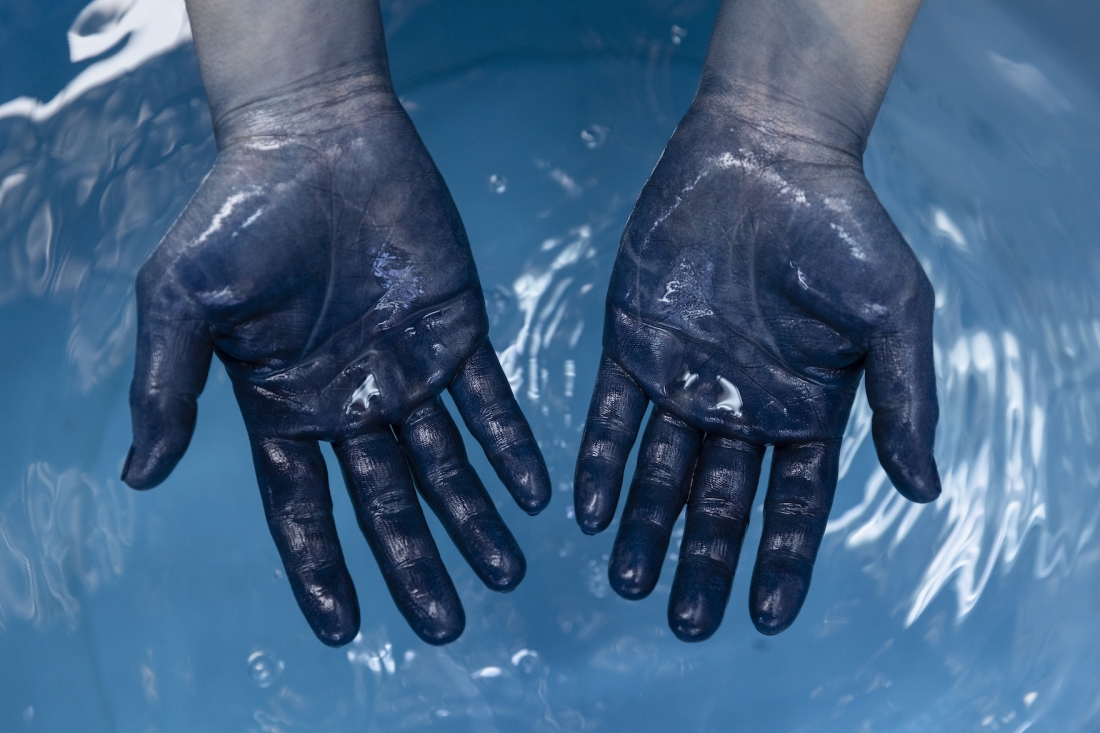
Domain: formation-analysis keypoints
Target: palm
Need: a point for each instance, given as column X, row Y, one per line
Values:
column 331, row 274
column 755, row 282
column 337, row 267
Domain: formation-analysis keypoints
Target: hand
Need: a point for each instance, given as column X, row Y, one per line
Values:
column 324, row 261
column 757, row 279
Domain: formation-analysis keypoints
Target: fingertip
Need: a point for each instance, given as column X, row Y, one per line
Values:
column 779, row 588
column 591, row 519
column 340, row 632
column 328, row 601
column 697, row 603
column 500, row 562
column 591, row 527
column 595, row 496
column 908, row 461
column 426, row 597
column 636, row 559
column 530, row 484
column 443, row 623
column 921, row 487
column 163, row 424
column 143, row 471
column 443, row 630
column 511, row 573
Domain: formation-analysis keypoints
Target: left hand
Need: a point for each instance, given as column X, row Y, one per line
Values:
column 757, row 279
column 325, row 263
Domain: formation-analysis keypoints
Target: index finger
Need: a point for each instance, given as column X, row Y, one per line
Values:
column 485, row 400
column 614, row 416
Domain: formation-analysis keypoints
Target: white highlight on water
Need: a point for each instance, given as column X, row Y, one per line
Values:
column 1028, row 79
column 521, row 655
column 378, row 658
column 62, row 535
column 689, row 378
column 146, row 28
column 10, row 182
column 541, row 320
column 566, row 181
column 948, row 228
column 570, row 373
column 487, row 672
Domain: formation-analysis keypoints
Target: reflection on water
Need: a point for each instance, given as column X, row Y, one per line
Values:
column 972, row 613
column 64, row 531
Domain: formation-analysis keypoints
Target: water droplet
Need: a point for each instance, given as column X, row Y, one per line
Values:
column 678, row 35
column 498, row 184
column 594, row 136
column 264, row 668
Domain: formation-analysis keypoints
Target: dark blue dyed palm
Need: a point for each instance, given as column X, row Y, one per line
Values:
column 324, row 262
column 758, row 279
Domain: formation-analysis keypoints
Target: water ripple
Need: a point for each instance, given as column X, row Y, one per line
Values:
column 64, row 534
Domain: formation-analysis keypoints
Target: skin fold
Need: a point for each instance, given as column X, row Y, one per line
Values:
column 325, row 264
column 758, row 280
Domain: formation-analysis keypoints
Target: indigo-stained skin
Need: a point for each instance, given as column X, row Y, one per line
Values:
column 324, row 262
column 757, row 280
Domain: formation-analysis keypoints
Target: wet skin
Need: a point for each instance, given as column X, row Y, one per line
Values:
column 758, row 279
column 326, row 265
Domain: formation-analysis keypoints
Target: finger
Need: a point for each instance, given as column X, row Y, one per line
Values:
column 657, row 494
column 485, row 400
column 614, row 415
column 901, row 388
column 718, row 511
column 294, row 488
column 800, row 495
column 173, row 359
column 393, row 523
column 453, row 490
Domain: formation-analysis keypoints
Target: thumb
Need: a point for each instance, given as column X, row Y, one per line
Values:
column 173, row 360
column 901, row 388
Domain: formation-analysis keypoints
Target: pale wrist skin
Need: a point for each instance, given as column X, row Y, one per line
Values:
column 811, row 69
column 259, row 54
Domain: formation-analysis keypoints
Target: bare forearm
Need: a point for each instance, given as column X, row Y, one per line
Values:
column 807, row 66
column 250, row 50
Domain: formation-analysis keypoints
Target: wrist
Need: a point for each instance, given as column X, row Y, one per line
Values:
column 769, row 116
column 254, row 51
column 345, row 96
column 813, row 69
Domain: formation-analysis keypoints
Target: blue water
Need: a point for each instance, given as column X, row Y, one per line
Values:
column 168, row 611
